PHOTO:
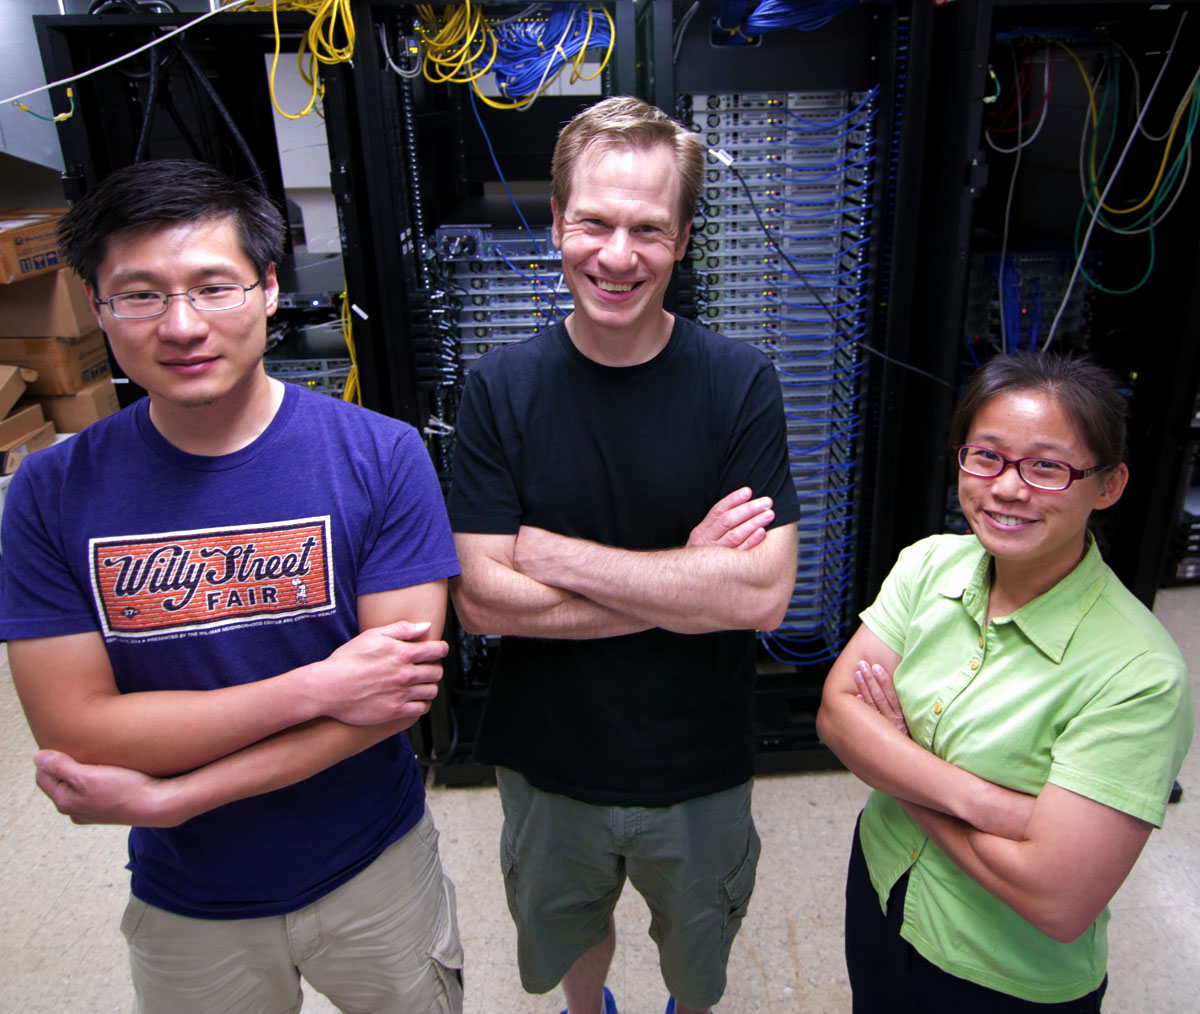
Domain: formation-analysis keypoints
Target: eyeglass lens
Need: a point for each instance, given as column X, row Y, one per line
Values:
column 151, row 302
column 1045, row 473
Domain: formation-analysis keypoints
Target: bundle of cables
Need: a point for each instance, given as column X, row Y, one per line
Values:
column 328, row 40
column 1143, row 216
column 776, row 16
column 1098, row 170
column 525, row 53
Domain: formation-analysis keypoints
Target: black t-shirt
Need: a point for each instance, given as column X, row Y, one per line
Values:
column 632, row 457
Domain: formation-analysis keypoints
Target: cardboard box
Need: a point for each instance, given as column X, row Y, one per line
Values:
column 13, row 381
column 29, row 242
column 72, row 412
column 63, row 365
column 21, row 423
column 51, row 304
column 12, row 454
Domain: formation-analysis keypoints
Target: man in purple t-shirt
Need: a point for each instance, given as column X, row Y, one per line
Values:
column 223, row 606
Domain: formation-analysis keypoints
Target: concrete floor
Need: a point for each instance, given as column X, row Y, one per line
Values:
column 65, row 887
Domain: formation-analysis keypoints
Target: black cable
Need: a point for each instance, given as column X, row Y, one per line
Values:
column 808, row 285
column 143, row 141
column 168, row 103
column 207, row 85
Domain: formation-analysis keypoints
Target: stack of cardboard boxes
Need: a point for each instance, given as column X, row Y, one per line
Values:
column 54, row 370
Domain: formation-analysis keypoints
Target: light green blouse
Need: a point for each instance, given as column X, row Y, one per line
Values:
column 1081, row 687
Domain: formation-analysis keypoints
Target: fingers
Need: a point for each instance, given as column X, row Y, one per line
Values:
column 53, row 778
column 733, row 520
column 749, row 533
column 875, row 686
column 730, row 500
column 56, row 765
column 424, row 651
column 747, row 512
column 860, row 682
column 405, row 630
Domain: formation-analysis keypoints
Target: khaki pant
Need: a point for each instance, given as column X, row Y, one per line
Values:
column 385, row 942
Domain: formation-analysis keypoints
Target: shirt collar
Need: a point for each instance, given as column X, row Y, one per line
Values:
column 1050, row 620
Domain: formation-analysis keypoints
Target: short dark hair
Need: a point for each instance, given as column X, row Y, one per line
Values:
column 623, row 121
column 162, row 191
column 1086, row 390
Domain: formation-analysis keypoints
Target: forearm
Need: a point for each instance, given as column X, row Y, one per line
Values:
column 888, row 760
column 166, row 732
column 1076, row 854
column 690, row 590
column 492, row 599
column 274, row 763
column 388, row 672
column 1041, row 890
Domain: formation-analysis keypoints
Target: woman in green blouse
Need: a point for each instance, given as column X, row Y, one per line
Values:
column 1019, row 713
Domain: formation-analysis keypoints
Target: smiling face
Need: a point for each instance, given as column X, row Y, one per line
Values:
column 1039, row 533
column 620, row 237
column 187, row 358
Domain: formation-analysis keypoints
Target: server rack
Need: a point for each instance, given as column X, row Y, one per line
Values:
column 801, row 251
column 486, row 273
column 1025, row 219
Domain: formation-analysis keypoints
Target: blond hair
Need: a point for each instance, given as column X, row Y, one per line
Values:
column 623, row 122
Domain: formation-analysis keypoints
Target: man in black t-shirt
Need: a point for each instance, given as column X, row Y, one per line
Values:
column 625, row 518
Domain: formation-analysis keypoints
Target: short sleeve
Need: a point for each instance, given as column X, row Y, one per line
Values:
column 412, row 544
column 483, row 492
column 889, row 617
column 758, row 455
column 1125, row 748
column 39, row 594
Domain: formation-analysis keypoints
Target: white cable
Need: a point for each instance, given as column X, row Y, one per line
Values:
column 1083, row 151
column 1111, row 180
column 1137, row 95
column 1036, row 130
column 415, row 72
column 549, row 60
column 683, row 23
column 119, row 59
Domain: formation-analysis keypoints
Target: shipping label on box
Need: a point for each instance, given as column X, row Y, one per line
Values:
column 29, row 242
column 64, row 365
column 52, row 305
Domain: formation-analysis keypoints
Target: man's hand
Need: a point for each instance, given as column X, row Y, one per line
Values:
column 103, row 794
column 875, row 686
column 384, row 674
column 735, row 521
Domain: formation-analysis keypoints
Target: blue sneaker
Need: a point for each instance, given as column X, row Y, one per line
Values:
column 610, row 1005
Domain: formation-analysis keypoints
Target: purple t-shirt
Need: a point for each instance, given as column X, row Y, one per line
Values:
column 204, row 572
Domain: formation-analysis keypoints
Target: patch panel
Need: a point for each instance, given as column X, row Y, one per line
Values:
column 806, row 159
column 509, row 286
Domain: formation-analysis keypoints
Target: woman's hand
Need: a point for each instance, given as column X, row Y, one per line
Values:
column 875, row 686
